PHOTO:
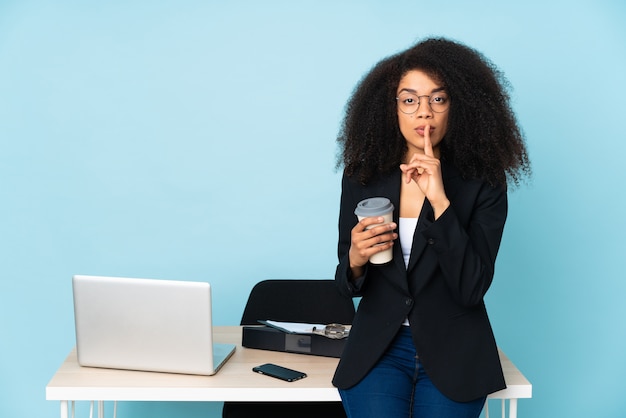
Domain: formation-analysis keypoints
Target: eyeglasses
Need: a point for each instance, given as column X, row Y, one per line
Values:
column 409, row 102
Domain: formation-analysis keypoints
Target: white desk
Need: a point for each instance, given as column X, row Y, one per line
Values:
column 234, row 382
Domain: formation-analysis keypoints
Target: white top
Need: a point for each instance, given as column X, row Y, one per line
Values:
column 406, row 230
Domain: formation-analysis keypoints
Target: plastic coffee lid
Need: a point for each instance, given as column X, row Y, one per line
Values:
column 374, row 206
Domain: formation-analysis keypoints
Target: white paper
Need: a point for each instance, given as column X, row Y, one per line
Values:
column 295, row 327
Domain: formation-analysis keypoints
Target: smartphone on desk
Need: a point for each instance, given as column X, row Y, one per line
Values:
column 279, row 372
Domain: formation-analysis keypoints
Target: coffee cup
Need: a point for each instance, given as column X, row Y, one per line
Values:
column 376, row 207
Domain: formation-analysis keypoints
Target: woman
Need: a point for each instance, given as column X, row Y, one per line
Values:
column 431, row 129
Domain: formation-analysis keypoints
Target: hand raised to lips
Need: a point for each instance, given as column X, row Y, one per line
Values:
column 425, row 170
column 416, row 167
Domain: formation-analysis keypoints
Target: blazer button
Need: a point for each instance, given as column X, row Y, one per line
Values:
column 431, row 241
column 408, row 301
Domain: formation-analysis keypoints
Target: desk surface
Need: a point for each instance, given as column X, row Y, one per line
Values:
column 234, row 382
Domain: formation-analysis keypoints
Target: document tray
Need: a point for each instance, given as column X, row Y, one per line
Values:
column 268, row 338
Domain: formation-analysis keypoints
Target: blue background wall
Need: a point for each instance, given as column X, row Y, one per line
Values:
column 196, row 140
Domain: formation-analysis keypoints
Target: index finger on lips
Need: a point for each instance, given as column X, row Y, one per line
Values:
column 428, row 146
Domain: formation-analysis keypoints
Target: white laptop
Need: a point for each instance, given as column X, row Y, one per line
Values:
column 146, row 324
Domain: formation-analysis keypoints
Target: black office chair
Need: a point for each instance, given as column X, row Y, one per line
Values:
column 310, row 301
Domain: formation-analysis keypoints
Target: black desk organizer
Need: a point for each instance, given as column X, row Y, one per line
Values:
column 268, row 338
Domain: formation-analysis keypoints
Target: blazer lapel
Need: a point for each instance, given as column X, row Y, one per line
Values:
column 389, row 187
column 419, row 242
column 427, row 217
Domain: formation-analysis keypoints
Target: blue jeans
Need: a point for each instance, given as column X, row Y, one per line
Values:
column 398, row 387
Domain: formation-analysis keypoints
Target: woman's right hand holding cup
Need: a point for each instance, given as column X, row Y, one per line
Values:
column 368, row 237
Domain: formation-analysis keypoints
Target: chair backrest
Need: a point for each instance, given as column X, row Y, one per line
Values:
column 308, row 301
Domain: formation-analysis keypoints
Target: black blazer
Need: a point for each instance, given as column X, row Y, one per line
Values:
column 450, row 270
